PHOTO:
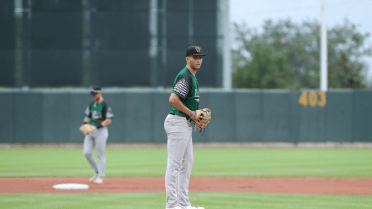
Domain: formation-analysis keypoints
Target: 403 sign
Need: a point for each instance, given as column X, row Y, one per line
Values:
column 313, row 99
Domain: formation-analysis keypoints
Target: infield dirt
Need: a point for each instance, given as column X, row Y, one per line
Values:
column 340, row 186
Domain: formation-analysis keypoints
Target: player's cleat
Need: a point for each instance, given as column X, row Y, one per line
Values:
column 98, row 180
column 93, row 178
column 177, row 207
column 191, row 207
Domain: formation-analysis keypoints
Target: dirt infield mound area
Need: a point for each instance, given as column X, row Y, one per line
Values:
column 347, row 186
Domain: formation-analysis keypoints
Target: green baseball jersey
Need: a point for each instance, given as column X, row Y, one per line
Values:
column 187, row 87
column 98, row 112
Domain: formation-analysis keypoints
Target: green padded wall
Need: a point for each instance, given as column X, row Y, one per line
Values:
column 240, row 116
column 248, row 113
column 56, row 117
column 310, row 122
column 362, row 116
column 276, row 111
column 338, row 122
column 138, row 120
column 28, row 118
column 7, row 115
column 222, row 127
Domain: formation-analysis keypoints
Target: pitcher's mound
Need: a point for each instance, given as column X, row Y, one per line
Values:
column 70, row 186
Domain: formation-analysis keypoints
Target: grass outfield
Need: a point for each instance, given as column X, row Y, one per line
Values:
column 208, row 162
column 208, row 200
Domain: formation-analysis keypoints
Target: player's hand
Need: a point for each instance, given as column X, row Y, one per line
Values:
column 193, row 115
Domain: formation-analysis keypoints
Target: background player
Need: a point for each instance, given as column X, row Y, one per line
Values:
column 185, row 100
column 99, row 114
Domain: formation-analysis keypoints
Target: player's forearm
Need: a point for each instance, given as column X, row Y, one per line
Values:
column 177, row 103
column 106, row 122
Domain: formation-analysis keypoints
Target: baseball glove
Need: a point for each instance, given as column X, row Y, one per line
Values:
column 87, row 129
column 202, row 118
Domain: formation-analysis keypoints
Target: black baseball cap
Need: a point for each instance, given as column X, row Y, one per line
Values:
column 194, row 50
column 95, row 90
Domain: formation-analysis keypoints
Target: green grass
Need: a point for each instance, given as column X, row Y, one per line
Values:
column 208, row 162
column 208, row 200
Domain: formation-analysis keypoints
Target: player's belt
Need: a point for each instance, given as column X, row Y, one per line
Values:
column 188, row 120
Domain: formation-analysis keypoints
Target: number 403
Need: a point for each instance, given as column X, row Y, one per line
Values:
column 313, row 98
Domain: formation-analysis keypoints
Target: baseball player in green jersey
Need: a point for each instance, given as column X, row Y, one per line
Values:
column 100, row 115
column 185, row 100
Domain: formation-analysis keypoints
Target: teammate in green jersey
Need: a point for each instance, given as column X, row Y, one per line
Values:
column 99, row 114
column 185, row 100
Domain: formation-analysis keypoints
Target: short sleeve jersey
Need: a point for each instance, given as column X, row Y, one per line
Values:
column 98, row 112
column 187, row 87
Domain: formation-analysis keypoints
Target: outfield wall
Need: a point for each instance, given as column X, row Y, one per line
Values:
column 54, row 116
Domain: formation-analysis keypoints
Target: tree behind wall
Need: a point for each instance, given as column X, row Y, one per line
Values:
column 299, row 47
column 266, row 70
column 345, row 74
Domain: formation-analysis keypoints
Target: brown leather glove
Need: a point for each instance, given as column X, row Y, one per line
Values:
column 87, row 129
column 202, row 118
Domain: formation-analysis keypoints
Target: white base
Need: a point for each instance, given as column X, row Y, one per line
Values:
column 70, row 186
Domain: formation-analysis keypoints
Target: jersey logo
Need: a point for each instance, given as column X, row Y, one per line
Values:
column 96, row 115
column 109, row 113
column 197, row 95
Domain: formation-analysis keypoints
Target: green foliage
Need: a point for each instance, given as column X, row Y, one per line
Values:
column 266, row 70
column 295, row 50
column 345, row 75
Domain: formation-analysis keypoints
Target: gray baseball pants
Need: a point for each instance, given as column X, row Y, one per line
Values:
column 180, row 160
column 96, row 139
